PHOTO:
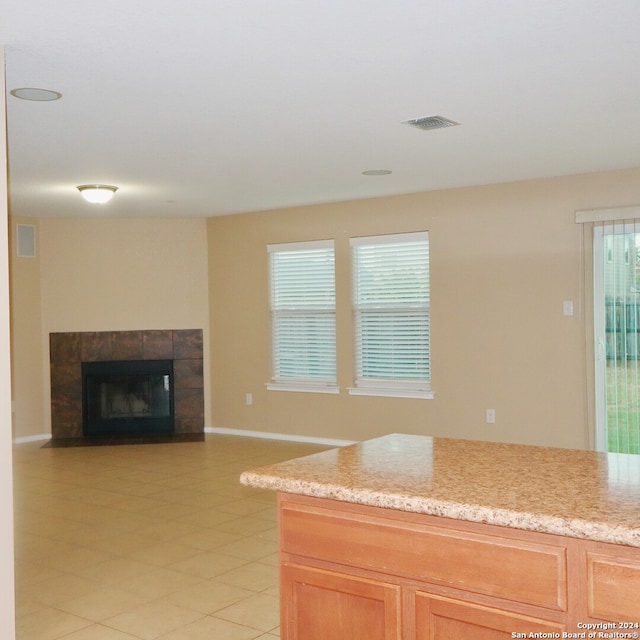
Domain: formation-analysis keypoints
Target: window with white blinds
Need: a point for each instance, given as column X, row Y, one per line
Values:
column 391, row 315
column 303, row 316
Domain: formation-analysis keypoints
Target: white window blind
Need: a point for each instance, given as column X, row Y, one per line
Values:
column 391, row 315
column 303, row 316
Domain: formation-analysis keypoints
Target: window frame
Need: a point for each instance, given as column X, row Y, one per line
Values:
column 303, row 384
column 389, row 387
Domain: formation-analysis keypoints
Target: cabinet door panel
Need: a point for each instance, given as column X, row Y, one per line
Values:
column 613, row 588
column 440, row 618
column 324, row 605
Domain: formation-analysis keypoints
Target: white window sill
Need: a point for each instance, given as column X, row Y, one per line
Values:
column 386, row 392
column 303, row 388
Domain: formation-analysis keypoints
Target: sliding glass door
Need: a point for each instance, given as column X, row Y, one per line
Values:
column 617, row 331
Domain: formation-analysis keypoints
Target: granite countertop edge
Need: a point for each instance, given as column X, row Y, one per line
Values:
column 575, row 528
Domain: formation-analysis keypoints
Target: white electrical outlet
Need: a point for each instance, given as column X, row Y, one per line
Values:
column 248, row 399
column 491, row 416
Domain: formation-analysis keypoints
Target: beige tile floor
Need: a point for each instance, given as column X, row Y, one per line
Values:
column 146, row 542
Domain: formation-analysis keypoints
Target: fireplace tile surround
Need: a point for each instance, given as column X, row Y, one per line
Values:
column 67, row 351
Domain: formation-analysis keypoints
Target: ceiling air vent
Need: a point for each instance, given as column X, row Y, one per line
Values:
column 429, row 123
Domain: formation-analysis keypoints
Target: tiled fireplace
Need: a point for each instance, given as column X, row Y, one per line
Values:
column 181, row 350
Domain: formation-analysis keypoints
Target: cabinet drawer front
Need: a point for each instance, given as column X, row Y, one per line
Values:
column 613, row 588
column 512, row 569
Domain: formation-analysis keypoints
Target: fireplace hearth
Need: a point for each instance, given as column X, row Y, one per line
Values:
column 139, row 383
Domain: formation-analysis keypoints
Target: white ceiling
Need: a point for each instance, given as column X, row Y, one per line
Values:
column 211, row 107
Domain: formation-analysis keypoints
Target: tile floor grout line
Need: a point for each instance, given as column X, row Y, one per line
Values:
column 99, row 544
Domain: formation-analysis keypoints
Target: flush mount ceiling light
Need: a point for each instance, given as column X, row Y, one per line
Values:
column 35, row 95
column 97, row 193
column 376, row 172
column 429, row 123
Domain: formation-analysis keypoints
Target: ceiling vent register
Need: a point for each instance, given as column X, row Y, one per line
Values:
column 429, row 123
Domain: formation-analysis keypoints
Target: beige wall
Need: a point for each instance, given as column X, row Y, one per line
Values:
column 503, row 260
column 104, row 273
column 26, row 324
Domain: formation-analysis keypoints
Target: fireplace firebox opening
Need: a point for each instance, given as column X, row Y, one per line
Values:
column 127, row 397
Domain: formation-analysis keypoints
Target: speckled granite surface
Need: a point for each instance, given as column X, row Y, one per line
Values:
column 582, row 494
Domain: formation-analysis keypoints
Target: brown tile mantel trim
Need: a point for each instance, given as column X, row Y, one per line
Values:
column 67, row 352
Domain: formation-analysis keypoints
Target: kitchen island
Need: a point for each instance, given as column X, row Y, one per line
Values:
column 432, row 538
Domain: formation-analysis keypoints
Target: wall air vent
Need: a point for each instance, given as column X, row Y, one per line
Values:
column 429, row 123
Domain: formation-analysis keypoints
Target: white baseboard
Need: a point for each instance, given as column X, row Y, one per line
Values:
column 267, row 435
column 25, row 439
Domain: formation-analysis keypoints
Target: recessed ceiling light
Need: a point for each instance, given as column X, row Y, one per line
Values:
column 97, row 193
column 376, row 172
column 36, row 95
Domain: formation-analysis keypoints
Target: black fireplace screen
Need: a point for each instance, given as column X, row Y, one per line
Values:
column 127, row 397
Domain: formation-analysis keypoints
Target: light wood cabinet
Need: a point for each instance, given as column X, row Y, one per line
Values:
column 443, row 618
column 613, row 585
column 352, row 571
column 325, row 605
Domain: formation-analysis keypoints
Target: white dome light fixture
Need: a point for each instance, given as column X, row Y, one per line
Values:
column 97, row 193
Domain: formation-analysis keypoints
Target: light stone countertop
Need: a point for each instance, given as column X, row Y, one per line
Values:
column 582, row 494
